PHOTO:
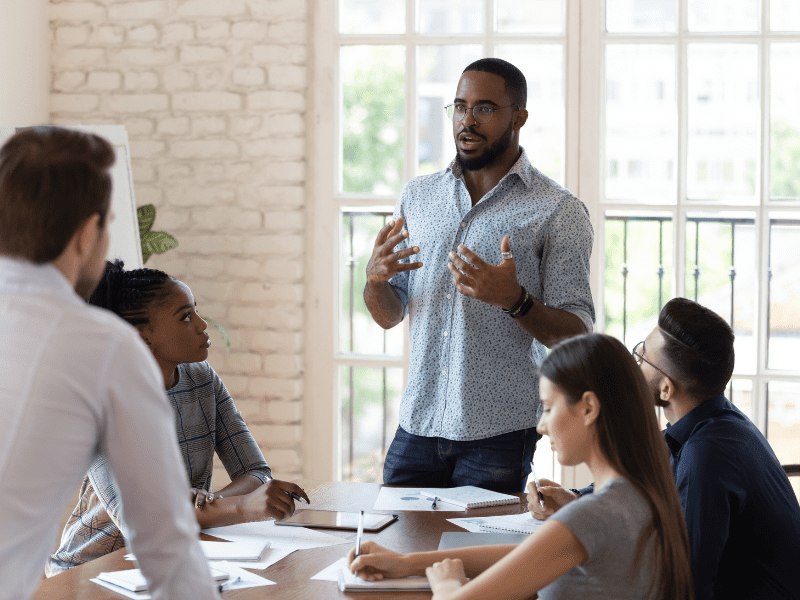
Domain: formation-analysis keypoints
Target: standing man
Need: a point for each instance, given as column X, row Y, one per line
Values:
column 501, row 270
column 740, row 509
column 76, row 380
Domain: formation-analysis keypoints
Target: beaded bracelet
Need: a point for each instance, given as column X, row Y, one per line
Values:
column 522, row 307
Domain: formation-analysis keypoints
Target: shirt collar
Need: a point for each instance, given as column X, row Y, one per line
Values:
column 522, row 168
column 680, row 431
column 28, row 277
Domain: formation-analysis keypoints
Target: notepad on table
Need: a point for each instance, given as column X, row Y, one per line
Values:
column 470, row 496
column 352, row 583
column 522, row 523
column 133, row 580
column 239, row 550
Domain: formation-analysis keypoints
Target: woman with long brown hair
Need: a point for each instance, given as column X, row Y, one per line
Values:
column 627, row 540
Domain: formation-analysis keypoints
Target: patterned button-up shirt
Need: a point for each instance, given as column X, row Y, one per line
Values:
column 474, row 370
column 206, row 421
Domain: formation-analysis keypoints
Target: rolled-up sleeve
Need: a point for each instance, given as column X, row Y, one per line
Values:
column 565, row 262
column 235, row 445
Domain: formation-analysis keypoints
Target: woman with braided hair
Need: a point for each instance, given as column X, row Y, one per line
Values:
column 164, row 312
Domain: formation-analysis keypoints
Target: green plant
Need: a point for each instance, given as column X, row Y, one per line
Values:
column 219, row 328
column 153, row 242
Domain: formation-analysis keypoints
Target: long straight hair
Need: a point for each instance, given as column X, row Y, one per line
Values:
column 631, row 441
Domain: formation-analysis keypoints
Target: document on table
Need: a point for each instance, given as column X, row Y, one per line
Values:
column 246, row 580
column 411, row 499
column 339, row 573
column 521, row 523
column 285, row 538
column 268, row 558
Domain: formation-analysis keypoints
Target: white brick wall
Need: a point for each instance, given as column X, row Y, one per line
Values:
column 213, row 94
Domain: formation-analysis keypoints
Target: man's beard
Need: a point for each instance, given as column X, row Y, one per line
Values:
column 490, row 155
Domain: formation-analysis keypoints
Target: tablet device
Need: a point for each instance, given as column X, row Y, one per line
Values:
column 329, row 519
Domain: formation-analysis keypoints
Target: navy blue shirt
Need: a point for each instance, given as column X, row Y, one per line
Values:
column 741, row 512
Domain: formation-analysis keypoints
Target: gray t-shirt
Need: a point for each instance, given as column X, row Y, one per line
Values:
column 608, row 523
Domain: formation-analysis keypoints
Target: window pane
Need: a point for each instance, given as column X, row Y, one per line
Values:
column 543, row 134
column 638, row 273
column 372, row 16
column 740, row 392
column 638, row 16
column 783, row 424
column 530, row 16
column 724, row 118
column 439, row 69
column 721, row 275
column 437, row 16
column 358, row 333
column 783, row 346
column 724, row 15
column 370, row 401
column 373, row 92
column 785, row 121
column 641, row 123
column 784, row 15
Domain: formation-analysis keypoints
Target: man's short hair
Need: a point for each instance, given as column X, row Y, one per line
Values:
column 51, row 180
column 516, row 86
column 699, row 344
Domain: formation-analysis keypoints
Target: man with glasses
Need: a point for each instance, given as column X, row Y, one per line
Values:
column 741, row 512
column 490, row 260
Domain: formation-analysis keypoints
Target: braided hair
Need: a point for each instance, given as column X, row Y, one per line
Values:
column 131, row 294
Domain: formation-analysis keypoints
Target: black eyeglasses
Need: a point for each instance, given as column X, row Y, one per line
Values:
column 482, row 113
column 638, row 356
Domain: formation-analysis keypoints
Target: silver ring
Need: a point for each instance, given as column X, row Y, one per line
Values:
column 506, row 255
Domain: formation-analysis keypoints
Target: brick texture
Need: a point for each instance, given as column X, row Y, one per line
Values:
column 213, row 94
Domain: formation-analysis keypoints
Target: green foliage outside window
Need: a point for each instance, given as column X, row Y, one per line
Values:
column 785, row 160
column 373, row 102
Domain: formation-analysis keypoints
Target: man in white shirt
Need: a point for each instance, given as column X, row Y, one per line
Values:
column 76, row 381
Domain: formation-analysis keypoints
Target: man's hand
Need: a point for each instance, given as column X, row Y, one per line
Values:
column 446, row 576
column 376, row 562
column 270, row 500
column 554, row 495
column 201, row 497
column 385, row 262
column 478, row 279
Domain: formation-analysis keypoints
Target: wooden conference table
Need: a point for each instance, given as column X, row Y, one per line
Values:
column 414, row 531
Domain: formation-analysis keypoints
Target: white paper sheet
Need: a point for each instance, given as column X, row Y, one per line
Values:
column 339, row 573
column 411, row 499
column 286, row 538
column 245, row 550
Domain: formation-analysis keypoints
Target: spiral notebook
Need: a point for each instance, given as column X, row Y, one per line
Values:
column 470, row 496
column 522, row 523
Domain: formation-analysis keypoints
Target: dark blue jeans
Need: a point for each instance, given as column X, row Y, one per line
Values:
column 500, row 463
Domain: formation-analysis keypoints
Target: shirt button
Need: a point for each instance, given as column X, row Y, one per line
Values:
column 449, row 296
column 463, row 224
column 444, row 371
column 445, row 333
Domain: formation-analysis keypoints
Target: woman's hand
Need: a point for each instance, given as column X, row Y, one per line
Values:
column 446, row 576
column 376, row 562
column 271, row 500
column 554, row 496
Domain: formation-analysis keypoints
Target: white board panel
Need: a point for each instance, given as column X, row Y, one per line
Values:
column 124, row 227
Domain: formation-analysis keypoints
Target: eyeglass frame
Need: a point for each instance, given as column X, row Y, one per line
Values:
column 472, row 108
column 637, row 356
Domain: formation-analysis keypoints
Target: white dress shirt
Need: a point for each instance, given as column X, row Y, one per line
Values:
column 77, row 381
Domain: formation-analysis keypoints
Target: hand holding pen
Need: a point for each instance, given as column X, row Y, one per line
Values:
column 536, row 485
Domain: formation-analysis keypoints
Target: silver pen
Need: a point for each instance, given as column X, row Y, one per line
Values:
column 435, row 500
column 222, row 587
column 360, row 533
column 536, row 485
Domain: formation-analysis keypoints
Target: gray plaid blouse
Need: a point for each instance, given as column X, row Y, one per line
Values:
column 206, row 421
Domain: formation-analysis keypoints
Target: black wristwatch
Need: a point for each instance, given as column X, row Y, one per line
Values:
column 578, row 493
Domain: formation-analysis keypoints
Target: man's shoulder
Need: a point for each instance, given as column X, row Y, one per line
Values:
column 436, row 179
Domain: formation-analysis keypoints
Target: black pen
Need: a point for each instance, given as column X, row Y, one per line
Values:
column 359, row 533
column 298, row 497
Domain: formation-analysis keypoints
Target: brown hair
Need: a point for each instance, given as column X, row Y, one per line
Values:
column 51, row 180
column 631, row 441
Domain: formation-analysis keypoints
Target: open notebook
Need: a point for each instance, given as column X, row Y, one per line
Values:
column 351, row 583
column 522, row 523
column 470, row 496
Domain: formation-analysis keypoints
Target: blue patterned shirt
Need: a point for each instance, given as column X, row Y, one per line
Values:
column 473, row 372
column 206, row 421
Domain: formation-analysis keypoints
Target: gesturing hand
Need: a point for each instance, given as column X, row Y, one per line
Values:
column 385, row 262
column 477, row 279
